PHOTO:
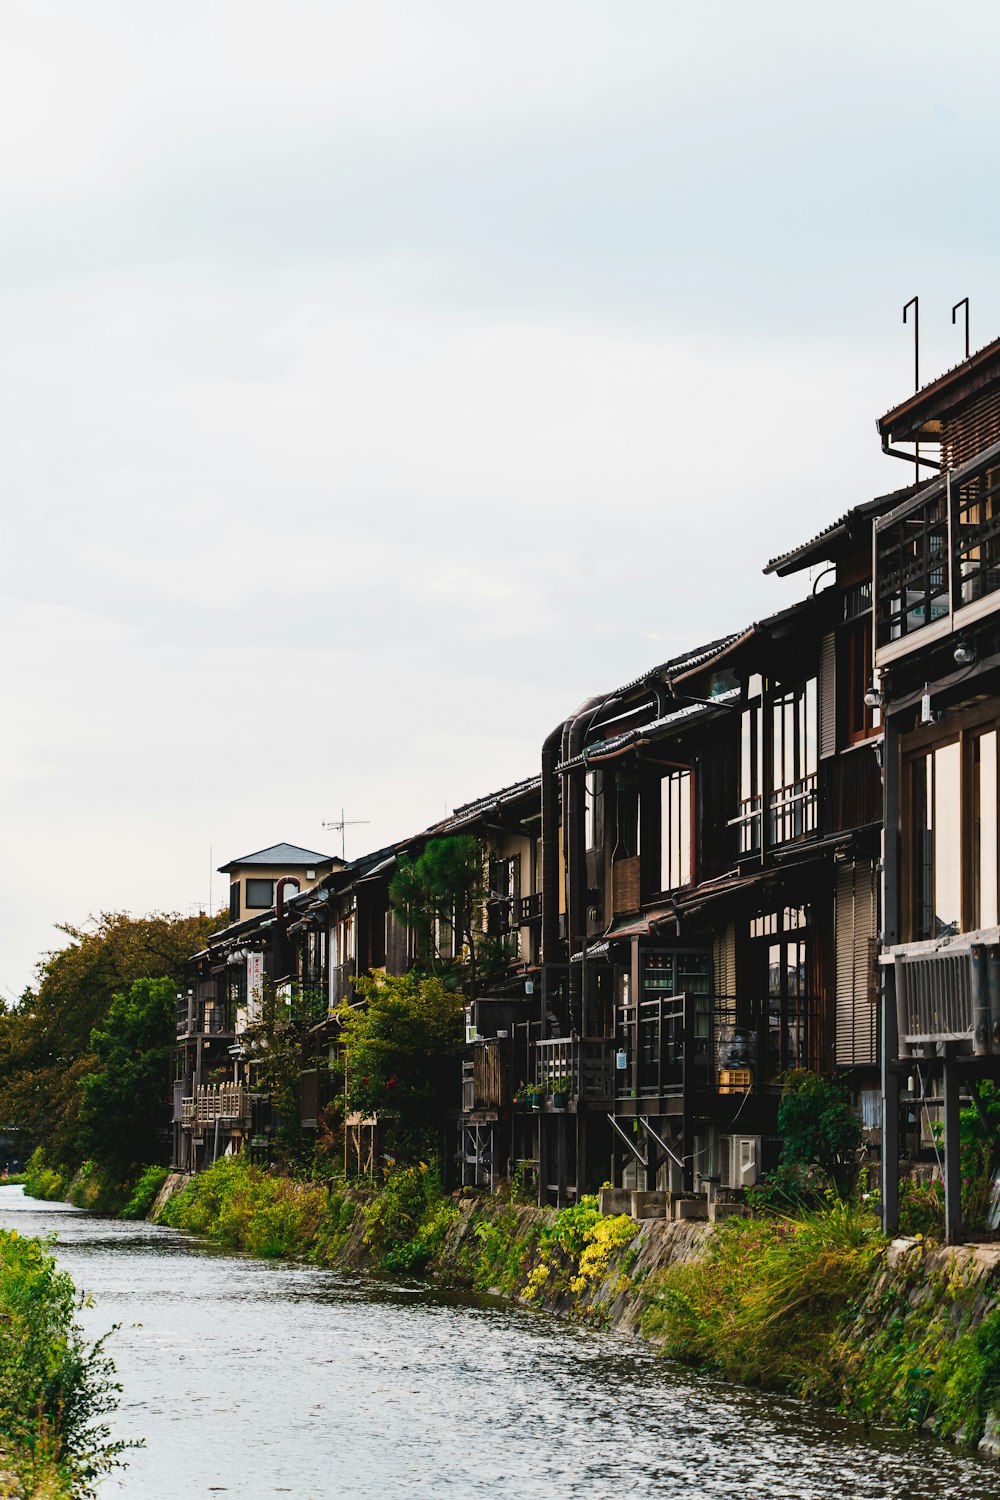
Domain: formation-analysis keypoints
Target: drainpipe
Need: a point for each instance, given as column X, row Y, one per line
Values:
column 550, row 848
column 574, row 736
column 281, row 918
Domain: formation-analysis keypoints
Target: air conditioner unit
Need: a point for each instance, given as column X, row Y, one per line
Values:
column 742, row 1161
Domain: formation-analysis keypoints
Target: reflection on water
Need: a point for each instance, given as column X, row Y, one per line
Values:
column 251, row 1378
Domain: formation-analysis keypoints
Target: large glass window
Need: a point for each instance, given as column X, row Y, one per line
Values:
column 675, row 830
column 936, row 793
column 590, row 789
column 951, row 834
column 793, row 762
column 793, row 1031
column 985, row 830
column 751, row 769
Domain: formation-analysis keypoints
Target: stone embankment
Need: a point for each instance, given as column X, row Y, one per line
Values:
column 925, row 1308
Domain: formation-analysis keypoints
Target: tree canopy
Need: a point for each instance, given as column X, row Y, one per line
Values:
column 395, row 1053
column 122, row 1115
column 45, row 1039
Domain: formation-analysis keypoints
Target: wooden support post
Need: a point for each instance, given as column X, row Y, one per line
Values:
column 581, row 1154
column 687, row 1101
column 562, row 1173
column 952, row 1154
column 890, row 1110
column 543, row 1164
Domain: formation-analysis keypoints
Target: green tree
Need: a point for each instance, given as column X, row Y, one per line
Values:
column 123, row 1112
column 45, row 1038
column 397, row 1051
column 275, row 1043
column 817, row 1123
column 441, row 895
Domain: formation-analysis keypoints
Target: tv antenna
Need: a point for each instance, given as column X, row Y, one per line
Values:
column 341, row 823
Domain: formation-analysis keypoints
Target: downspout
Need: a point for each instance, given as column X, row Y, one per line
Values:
column 908, row 458
column 281, row 919
column 574, row 735
column 550, row 847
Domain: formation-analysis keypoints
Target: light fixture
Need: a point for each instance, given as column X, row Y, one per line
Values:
column 926, row 711
column 965, row 653
column 873, row 697
column 529, row 985
column 621, row 1060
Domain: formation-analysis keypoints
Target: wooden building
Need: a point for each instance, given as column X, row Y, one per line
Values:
column 937, row 670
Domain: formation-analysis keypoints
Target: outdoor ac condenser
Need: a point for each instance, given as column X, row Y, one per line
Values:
column 742, row 1161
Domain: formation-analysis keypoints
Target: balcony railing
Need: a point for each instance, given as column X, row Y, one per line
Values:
column 342, row 984
column 793, row 810
column 529, row 908
column 940, row 553
column 216, row 1101
column 587, row 1063
column 205, row 1018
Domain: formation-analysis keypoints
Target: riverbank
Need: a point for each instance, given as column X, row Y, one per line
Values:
column 55, row 1389
column 823, row 1308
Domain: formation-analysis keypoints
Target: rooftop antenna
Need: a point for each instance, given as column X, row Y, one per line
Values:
column 964, row 303
column 914, row 302
column 341, row 823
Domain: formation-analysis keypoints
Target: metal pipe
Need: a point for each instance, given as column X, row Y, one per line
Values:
column 993, row 975
column 980, row 1001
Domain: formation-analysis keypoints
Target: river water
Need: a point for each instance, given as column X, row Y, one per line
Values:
column 257, row 1379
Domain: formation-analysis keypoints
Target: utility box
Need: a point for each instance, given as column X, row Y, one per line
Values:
column 741, row 1161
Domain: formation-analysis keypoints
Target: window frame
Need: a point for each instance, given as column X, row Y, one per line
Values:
column 258, row 880
column 966, row 729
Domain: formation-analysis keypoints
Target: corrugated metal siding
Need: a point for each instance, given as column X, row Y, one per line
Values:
column 828, row 695
column 857, row 1015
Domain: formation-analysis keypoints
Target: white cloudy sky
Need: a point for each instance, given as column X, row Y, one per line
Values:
column 379, row 379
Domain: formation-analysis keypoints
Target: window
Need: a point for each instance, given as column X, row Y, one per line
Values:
column 675, row 830
column 590, row 792
column 860, row 721
column 503, row 906
column 260, row 894
column 793, row 763
column 234, row 901
column 781, row 945
column 986, row 912
column 751, row 768
column 951, row 835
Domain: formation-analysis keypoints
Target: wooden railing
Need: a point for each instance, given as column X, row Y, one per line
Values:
column 586, row 1063
column 205, row 1018
column 218, row 1101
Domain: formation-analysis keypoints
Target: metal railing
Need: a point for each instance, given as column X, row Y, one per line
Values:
column 206, row 1018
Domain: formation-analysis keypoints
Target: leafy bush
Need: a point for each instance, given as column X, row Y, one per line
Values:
column 766, row 1303
column 56, row 1391
column 145, row 1192
column 817, row 1123
column 407, row 1222
column 241, row 1205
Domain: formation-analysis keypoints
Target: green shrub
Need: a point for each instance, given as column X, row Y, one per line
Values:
column 144, row 1193
column 767, row 1301
column 55, row 1390
column 408, row 1220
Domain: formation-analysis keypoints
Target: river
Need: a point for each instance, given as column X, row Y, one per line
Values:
column 257, row 1379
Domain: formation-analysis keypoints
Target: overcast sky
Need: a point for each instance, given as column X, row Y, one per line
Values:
column 378, row 380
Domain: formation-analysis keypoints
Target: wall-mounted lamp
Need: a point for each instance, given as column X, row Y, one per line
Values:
column 621, row 1060
column 529, row 985
column 965, row 653
column 873, row 697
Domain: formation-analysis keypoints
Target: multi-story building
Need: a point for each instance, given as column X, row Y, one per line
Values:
column 937, row 671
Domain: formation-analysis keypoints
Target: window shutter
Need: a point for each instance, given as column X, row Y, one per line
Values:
column 828, row 696
column 724, row 962
column 857, row 1015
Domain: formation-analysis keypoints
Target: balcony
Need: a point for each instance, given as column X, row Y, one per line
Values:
column 529, row 909
column 217, row 1101
column 342, row 984
column 938, row 558
column 588, row 1063
column 205, row 1018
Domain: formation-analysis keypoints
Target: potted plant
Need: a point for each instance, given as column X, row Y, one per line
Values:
column 560, row 1089
column 536, row 1093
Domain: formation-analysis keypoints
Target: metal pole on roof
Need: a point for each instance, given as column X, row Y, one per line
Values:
column 341, row 823
column 914, row 302
column 964, row 303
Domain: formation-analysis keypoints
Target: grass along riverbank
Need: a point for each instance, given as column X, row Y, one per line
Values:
column 55, row 1390
column 820, row 1305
